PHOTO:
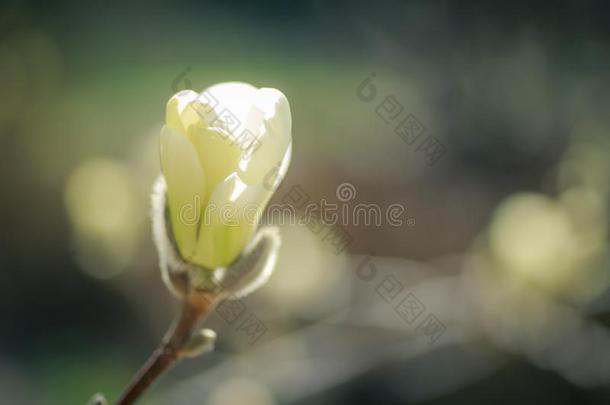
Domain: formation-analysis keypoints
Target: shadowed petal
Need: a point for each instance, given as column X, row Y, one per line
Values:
column 231, row 217
column 185, row 185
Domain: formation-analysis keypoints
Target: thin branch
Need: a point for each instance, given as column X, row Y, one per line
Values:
column 197, row 305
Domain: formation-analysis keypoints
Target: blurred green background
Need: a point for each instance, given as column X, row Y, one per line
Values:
column 511, row 220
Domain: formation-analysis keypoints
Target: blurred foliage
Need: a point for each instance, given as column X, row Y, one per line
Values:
column 517, row 92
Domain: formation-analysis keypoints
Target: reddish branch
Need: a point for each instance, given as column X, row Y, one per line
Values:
column 196, row 306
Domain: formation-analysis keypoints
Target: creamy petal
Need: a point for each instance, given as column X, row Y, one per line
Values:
column 276, row 108
column 185, row 188
column 232, row 99
column 274, row 140
column 219, row 156
column 176, row 108
column 188, row 108
column 231, row 217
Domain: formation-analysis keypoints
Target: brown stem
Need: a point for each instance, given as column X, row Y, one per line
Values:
column 197, row 305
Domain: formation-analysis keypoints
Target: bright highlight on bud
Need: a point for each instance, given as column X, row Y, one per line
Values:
column 217, row 149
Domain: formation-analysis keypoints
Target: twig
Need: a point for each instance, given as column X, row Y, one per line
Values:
column 197, row 305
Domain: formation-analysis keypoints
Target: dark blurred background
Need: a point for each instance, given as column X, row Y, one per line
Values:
column 506, row 243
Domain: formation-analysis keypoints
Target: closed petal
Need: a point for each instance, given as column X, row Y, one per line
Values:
column 185, row 188
column 274, row 139
column 176, row 108
column 230, row 219
column 276, row 108
column 231, row 99
column 218, row 154
column 187, row 108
